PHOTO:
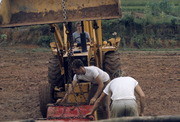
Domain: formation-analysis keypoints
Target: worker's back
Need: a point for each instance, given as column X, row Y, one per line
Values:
column 122, row 88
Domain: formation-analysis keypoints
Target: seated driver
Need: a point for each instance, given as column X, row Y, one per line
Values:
column 77, row 33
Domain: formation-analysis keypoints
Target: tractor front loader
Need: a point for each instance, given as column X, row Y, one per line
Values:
column 14, row 13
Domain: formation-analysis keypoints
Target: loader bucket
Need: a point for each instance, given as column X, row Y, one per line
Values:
column 31, row 12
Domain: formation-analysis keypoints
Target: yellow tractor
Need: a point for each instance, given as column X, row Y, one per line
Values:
column 14, row 13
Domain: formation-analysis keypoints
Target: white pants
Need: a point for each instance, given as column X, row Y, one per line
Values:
column 122, row 108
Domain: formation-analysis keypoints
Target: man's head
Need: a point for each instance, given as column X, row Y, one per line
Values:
column 78, row 67
column 78, row 26
column 118, row 73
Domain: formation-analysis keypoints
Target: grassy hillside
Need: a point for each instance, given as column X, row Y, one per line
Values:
column 144, row 2
column 142, row 5
column 146, row 23
column 153, row 11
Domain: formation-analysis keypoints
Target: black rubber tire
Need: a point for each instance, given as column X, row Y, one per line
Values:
column 112, row 62
column 45, row 97
column 54, row 72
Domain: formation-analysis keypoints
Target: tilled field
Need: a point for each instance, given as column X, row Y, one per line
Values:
column 23, row 68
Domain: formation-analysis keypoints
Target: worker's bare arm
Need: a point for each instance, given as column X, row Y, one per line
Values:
column 141, row 94
column 96, row 104
column 99, row 90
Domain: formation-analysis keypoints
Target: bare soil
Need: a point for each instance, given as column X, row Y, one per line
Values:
column 24, row 68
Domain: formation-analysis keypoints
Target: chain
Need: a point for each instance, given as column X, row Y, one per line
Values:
column 69, row 59
column 64, row 9
column 77, row 104
column 70, row 51
column 81, row 91
column 70, row 55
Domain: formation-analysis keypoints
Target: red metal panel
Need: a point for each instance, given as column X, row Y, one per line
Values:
column 69, row 113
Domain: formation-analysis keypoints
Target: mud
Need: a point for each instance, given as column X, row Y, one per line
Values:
column 24, row 68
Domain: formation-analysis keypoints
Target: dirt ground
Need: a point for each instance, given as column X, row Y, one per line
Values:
column 23, row 68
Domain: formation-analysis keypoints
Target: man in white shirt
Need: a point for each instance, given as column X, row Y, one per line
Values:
column 92, row 74
column 121, row 90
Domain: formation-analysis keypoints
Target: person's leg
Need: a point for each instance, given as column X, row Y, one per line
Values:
column 131, row 108
column 117, row 108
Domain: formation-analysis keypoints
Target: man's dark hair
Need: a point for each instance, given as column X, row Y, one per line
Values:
column 77, row 63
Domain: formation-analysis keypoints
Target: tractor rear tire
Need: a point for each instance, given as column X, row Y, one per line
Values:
column 45, row 97
column 112, row 62
column 54, row 72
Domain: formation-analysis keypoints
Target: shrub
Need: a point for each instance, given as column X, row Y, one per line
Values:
column 137, row 41
column 3, row 37
column 158, row 43
column 165, row 6
column 44, row 41
column 173, row 43
column 152, row 9
column 158, row 8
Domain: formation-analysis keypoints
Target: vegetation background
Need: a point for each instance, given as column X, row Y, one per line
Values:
column 145, row 24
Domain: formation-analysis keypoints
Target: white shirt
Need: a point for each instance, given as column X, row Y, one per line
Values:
column 91, row 73
column 121, row 88
column 77, row 37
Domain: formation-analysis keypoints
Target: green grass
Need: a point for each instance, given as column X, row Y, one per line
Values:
column 134, row 8
column 40, row 49
column 161, row 19
column 26, row 50
column 140, row 5
column 150, row 14
column 134, row 2
column 149, row 49
column 144, row 2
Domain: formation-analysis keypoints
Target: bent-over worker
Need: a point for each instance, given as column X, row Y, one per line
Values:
column 92, row 74
column 121, row 90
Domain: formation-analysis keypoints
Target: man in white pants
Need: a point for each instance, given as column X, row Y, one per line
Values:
column 92, row 74
column 121, row 90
